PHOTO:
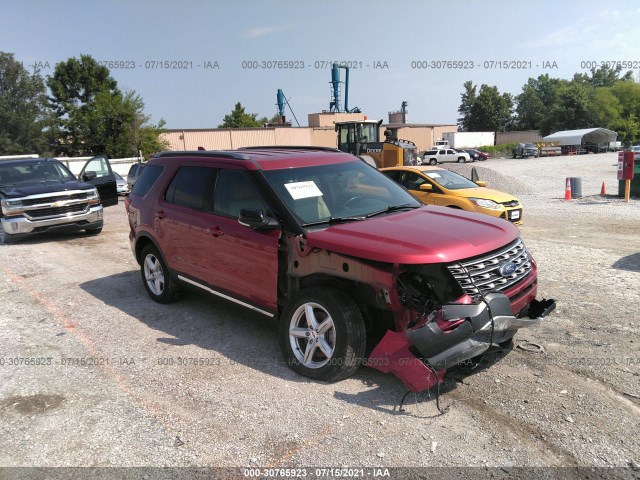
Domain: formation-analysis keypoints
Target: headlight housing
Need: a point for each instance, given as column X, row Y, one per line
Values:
column 93, row 197
column 484, row 203
column 12, row 207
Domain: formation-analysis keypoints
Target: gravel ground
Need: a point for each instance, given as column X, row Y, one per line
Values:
column 200, row 383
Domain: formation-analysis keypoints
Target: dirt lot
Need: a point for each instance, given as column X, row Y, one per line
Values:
column 93, row 373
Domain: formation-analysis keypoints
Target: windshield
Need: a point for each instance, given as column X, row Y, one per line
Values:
column 347, row 191
column 450, row 180
column 34, row 172
column 367, row 133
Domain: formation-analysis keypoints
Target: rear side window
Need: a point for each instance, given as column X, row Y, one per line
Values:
column 147, row 178
column 192, row 187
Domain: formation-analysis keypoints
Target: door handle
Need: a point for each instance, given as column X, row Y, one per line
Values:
column 160, row 214
column 215, row 231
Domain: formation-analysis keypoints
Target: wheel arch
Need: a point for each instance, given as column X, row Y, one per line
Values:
column 141, row 242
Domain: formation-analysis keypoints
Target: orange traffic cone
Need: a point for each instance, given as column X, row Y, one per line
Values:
column 567, row 190
column 603, row 190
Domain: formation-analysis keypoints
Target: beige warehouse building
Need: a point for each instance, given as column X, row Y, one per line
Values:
column 319, row 133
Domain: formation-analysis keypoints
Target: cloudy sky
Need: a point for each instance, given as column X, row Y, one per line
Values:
column 192, row 61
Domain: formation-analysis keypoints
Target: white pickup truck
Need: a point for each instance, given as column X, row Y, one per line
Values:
column 435, row 156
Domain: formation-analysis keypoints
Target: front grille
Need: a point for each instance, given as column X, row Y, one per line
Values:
column 510, row 203
column 57, row 211
column 482, row 274
column 53, row 198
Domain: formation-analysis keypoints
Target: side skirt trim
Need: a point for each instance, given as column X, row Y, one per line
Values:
column 226, row 297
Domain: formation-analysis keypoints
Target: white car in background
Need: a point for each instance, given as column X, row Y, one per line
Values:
column 435, row 156
column 121, row 185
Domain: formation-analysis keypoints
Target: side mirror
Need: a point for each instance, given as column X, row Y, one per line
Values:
column 256, row 218
column 426, row 187
column 481, row 183
column 90, row 175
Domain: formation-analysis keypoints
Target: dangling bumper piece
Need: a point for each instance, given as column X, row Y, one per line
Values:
column 420, row 356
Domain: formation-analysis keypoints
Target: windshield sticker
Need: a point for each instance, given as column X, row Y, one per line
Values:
column 300, row 190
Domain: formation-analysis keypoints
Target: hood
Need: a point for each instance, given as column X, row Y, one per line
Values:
column 23, row 190
column 429, row 234
column 486, row 193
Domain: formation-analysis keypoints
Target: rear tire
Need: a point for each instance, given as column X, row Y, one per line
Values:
column 161, row 286
column 322, row 335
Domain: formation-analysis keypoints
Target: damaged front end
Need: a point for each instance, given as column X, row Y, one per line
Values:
column 436, row 333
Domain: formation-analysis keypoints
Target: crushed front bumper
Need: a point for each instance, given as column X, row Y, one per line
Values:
column 420, row 356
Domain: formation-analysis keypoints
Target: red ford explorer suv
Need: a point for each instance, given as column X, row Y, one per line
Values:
column 354, row 268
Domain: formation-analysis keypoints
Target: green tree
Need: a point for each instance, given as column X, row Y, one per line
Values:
column 491, row 111
column 94, row 116
column 605, row 97
column 530, row 109
column 571, row 110
column 275, row 119
column 628, row 94
column 24, row 116
column 468, row 98
column 605, row 107
column 538, row 97
column 115, row 123
column 76, row 82
column 604, row 76
column 239, row 119
column 628, row 125
column 74, row 86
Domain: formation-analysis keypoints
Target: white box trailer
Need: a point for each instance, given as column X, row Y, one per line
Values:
column 469, row 139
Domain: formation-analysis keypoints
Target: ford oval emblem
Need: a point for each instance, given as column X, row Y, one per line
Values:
column 507, row 269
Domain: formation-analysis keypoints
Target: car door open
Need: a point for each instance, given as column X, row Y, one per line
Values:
column 97, row 171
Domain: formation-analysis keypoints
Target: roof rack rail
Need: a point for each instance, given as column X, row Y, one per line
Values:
column 204, row 153
column 292, row 147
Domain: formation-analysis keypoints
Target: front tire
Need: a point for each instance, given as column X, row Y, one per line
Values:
column 461, row 160
column 322, row 335
column 161, row 286
column 433, row 161
column 93, row 231
column 5, row 238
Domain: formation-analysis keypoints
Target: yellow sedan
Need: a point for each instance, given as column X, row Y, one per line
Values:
column 438, row 186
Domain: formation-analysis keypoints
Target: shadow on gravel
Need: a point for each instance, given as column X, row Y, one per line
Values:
column 229, row 333
column 47, row 237
column 236, row 336
column 388, row 392
column 630, row 263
